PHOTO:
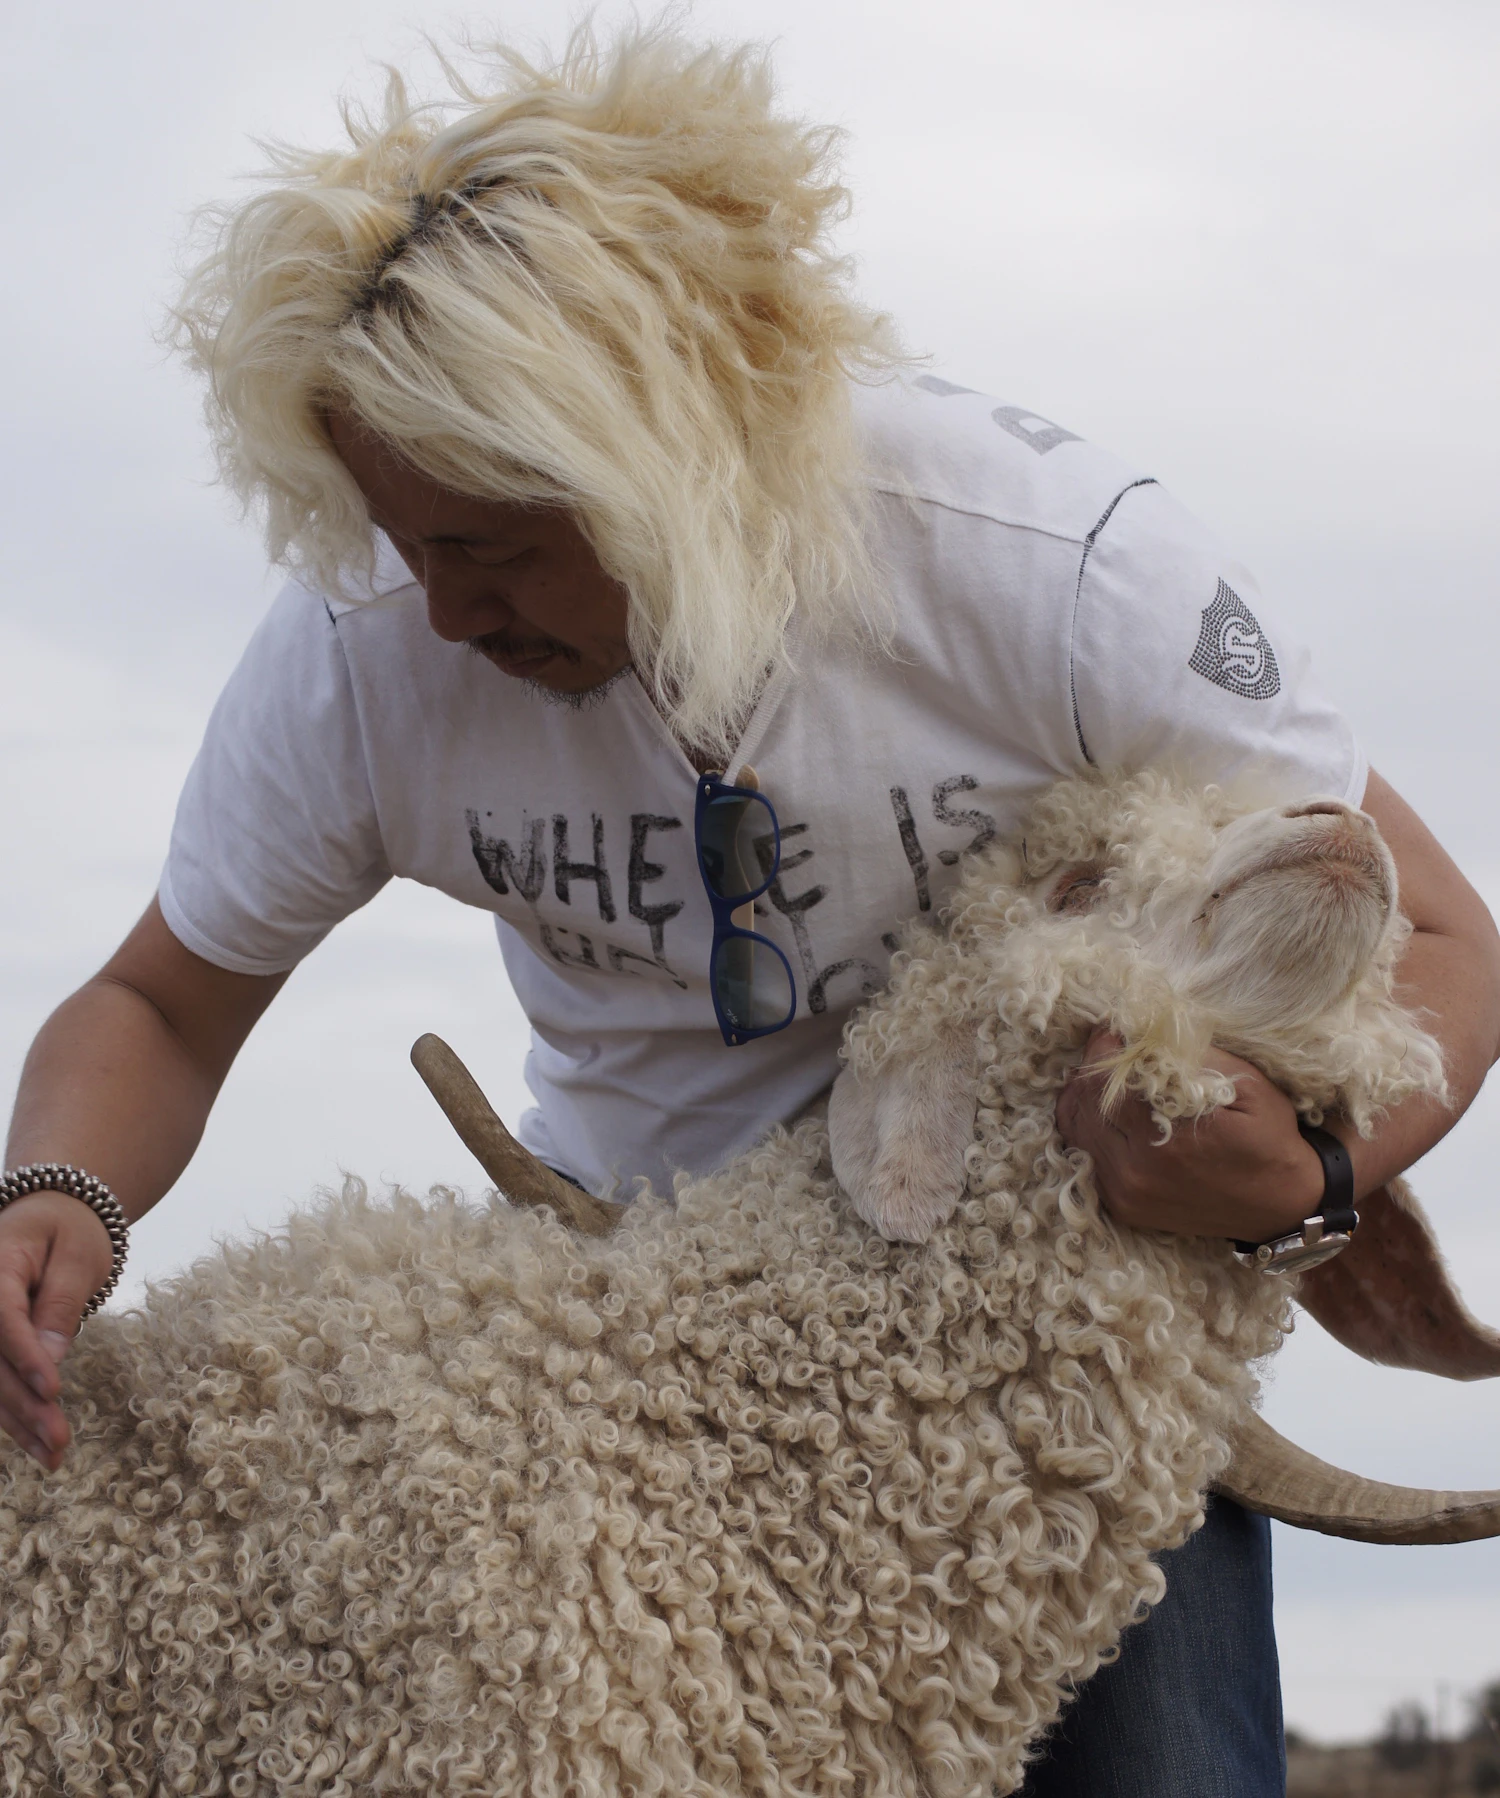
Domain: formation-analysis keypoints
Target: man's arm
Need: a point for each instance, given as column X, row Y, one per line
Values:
column 119, row 1082
column 1245, row 1172
column 1450, row 974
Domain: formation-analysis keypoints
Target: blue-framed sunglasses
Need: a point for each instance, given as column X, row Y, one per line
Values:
column 750, row 979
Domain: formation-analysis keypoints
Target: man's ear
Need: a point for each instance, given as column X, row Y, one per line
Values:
column 898, row 1136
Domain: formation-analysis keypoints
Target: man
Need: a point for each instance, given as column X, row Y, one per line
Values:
column 550, row 403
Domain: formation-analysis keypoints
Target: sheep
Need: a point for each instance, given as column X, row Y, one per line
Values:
column 798, row 1480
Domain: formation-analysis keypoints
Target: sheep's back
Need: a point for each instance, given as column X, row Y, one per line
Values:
column 443, row 1499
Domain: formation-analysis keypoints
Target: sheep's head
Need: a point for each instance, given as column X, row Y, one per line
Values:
column 1175, row 920
column 1290, row 913
column 1279, row 945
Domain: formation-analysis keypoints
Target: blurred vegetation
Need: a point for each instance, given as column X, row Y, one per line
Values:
column 1407, row 1759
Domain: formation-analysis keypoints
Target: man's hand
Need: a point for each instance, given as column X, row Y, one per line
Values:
column 119, row 1081
column 1243, row 1172
column 54, row 1256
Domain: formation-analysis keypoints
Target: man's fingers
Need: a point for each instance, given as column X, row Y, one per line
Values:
column 40, row 1428
column 1117, row 1142
column 20, row 1345
column 1080, row 1106
column 68, row 1283
column 78, row 1259
column 1085, row 1083
column 53, row 1257
column 35, row 1331
column 1102, row 1044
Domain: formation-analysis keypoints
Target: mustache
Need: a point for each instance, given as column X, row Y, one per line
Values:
column 509, row 648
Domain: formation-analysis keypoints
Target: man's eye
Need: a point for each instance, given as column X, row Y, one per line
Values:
column 487, row 557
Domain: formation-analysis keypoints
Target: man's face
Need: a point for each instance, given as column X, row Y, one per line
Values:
column 519, row 585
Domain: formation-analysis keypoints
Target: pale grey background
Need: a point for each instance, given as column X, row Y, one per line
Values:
column 1250, row 245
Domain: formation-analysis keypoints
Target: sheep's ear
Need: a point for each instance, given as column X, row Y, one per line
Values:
column 1390, row 1297
column 898, row 1136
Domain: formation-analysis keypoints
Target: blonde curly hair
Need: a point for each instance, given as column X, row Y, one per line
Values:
column 606, row 285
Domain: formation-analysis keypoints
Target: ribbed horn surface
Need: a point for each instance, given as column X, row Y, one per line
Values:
column 1274, row 1476
column 516, row 1171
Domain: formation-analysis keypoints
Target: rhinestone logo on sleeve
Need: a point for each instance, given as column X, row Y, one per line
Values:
column 1233, row 651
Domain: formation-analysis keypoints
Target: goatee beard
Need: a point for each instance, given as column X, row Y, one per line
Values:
column 500, row 643
column 583, row 700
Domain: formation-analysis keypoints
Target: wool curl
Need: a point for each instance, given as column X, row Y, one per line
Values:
column 742, row 1499
column 605, row 284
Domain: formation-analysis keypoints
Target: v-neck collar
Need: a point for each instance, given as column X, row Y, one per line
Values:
column 751, row 737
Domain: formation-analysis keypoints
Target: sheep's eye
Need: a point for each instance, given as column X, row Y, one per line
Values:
column 1076, row 891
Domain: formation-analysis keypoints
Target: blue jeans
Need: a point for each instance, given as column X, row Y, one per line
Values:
column 1192, row 1708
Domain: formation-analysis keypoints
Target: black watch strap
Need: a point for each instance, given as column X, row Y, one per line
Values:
column 1337, row 1209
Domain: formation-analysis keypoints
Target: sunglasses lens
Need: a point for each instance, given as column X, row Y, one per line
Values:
column 734, row 832
column 752, row 985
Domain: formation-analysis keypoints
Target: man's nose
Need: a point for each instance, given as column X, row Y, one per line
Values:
column 460, row 603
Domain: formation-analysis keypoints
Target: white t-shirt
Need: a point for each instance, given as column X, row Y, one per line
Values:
column 1053, row 609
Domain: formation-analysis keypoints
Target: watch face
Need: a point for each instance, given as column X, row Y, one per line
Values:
column 1298, row 1257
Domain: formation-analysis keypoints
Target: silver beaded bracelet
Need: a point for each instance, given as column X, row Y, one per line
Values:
column 55, row 1176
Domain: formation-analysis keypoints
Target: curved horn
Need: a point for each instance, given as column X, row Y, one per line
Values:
column 516, row 1172
column 1274, row 1476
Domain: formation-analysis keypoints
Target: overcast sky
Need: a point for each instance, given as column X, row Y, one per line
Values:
column 1250, row 246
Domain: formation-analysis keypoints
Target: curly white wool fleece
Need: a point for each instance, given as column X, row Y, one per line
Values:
column 743, row 1499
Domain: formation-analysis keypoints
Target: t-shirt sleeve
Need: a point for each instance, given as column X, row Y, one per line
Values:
column 1177, row 662
column 276, row 836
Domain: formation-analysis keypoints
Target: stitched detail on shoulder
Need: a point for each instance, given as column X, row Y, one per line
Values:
column 947, row 505
column 338, row 637
column 1148, row 480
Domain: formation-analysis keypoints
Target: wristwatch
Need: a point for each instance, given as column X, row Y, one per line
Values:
column 1323, row 1235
